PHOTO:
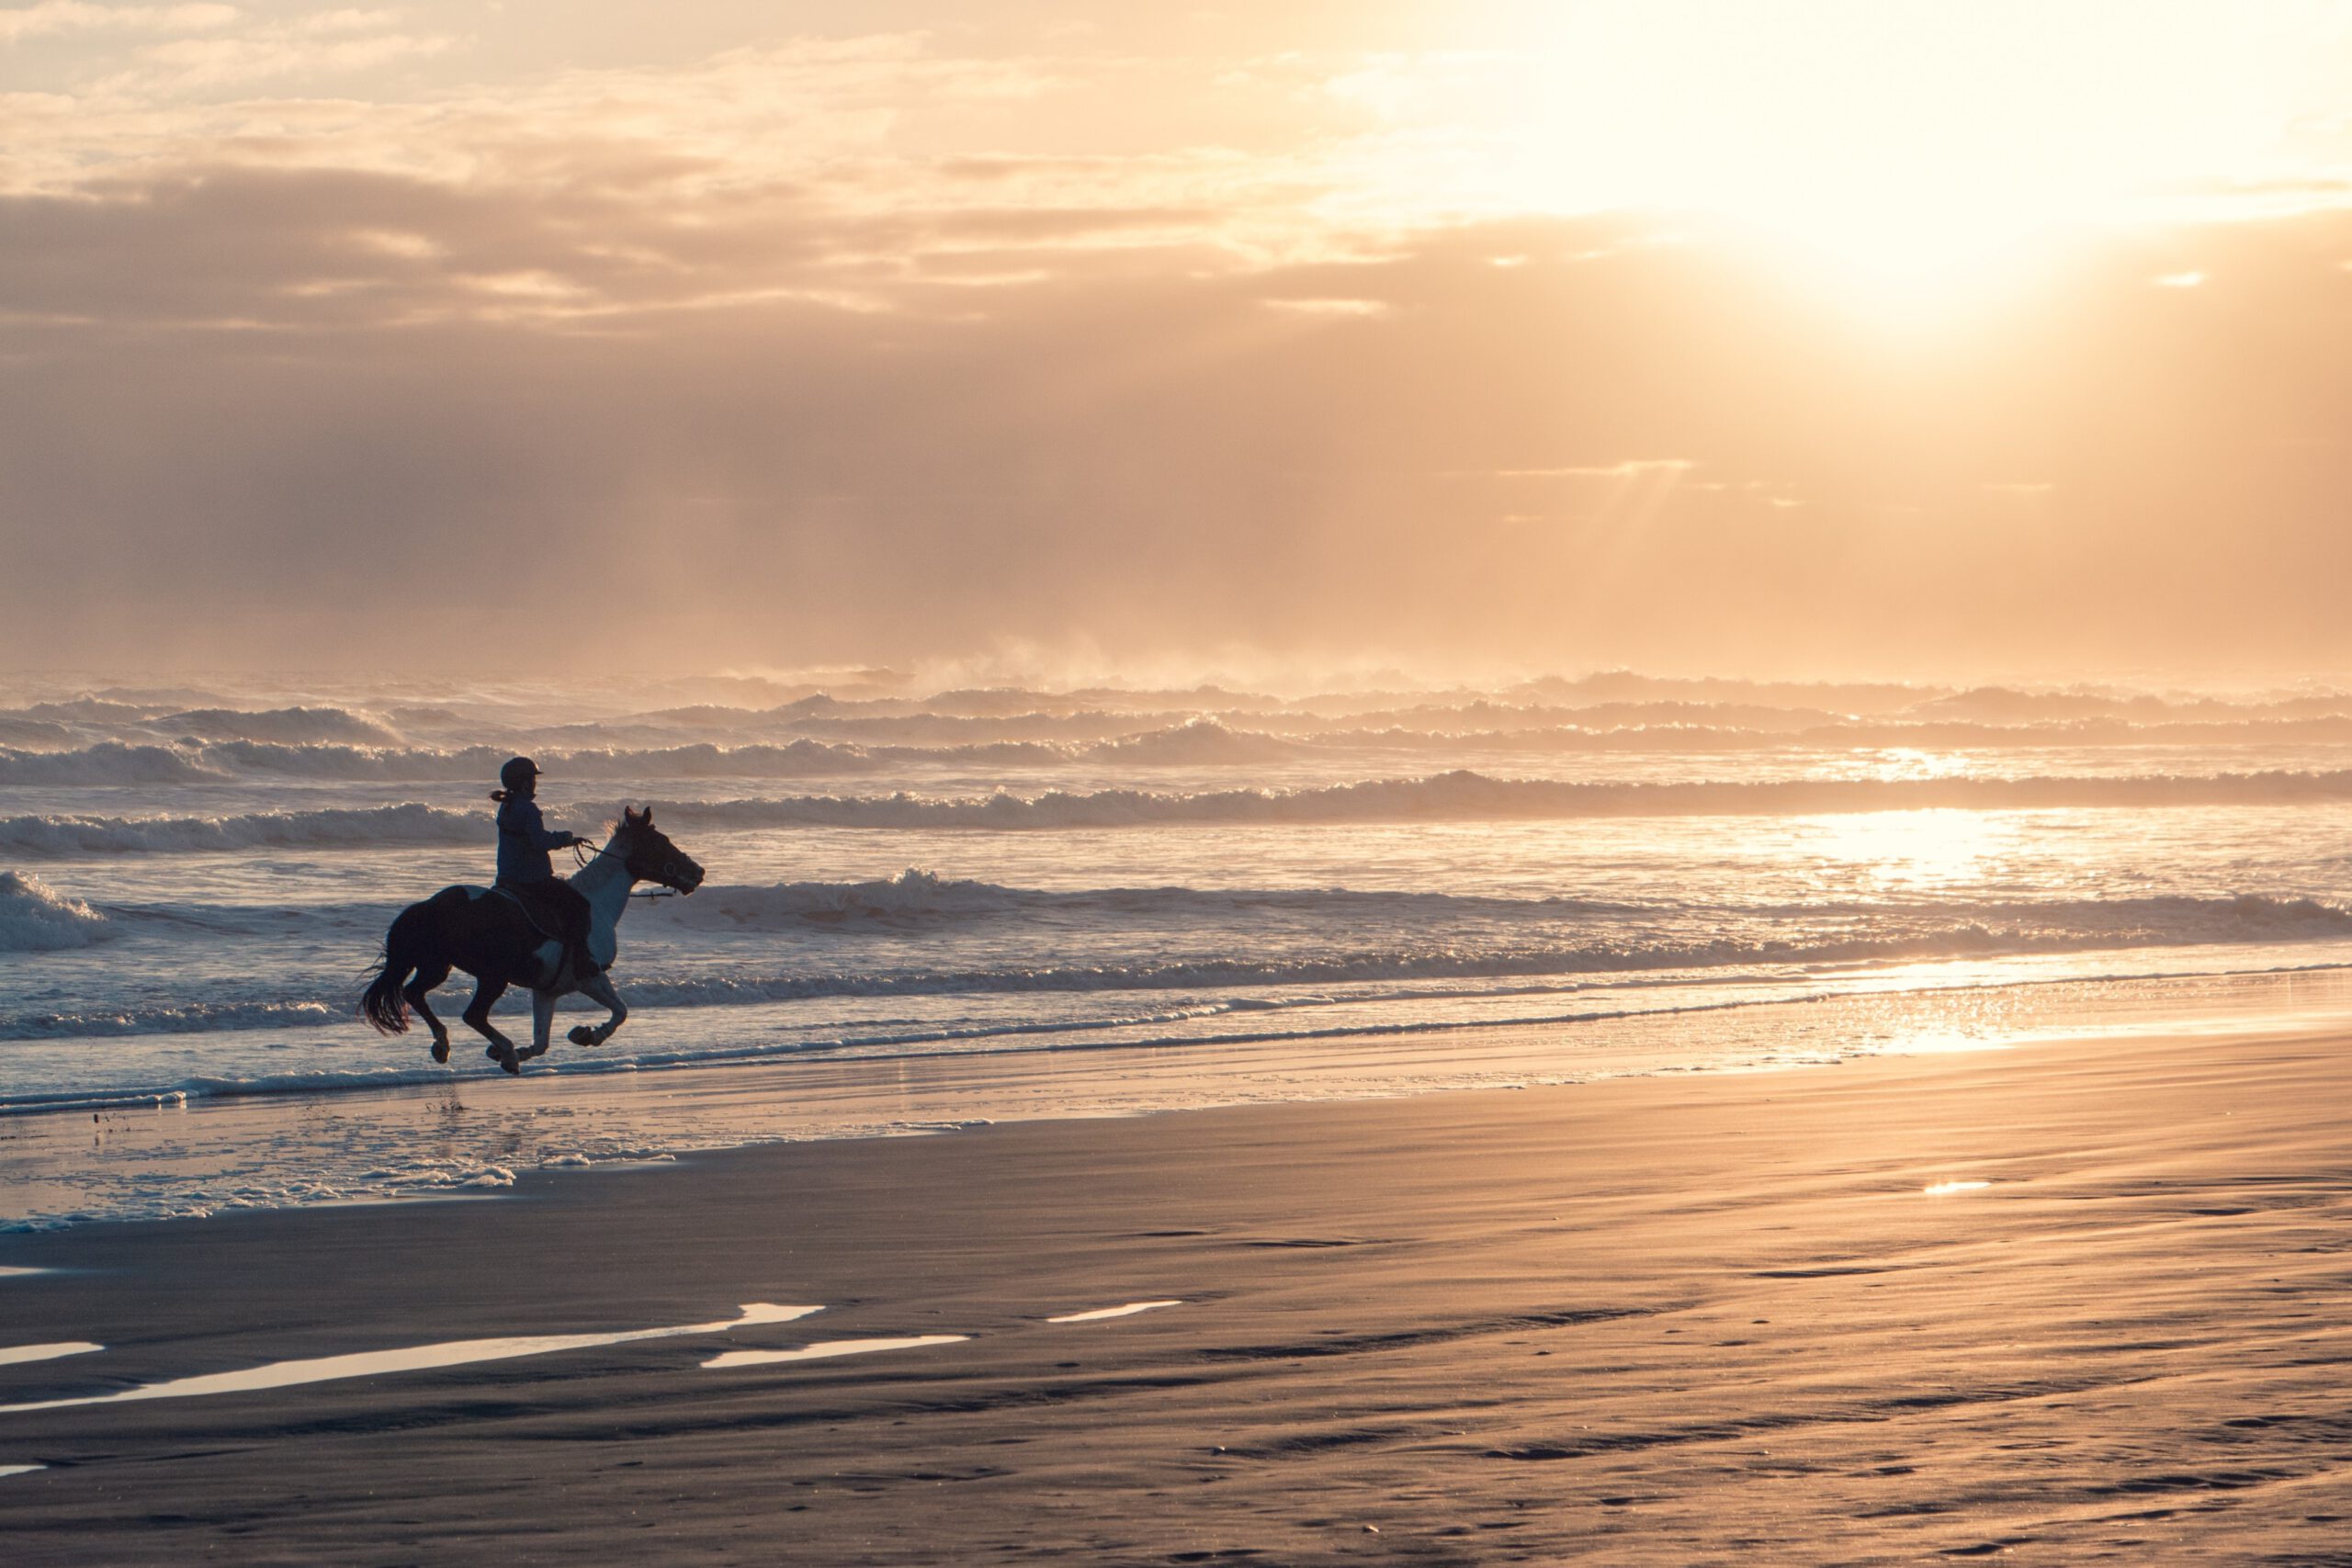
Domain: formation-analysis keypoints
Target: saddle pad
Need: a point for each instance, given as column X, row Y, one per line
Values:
column 528, row 913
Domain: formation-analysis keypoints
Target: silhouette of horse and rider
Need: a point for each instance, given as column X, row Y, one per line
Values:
column 531, row 929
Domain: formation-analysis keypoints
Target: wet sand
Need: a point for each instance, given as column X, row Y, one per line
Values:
column 1687, row 1319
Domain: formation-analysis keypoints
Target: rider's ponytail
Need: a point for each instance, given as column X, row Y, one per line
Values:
column 498, row 796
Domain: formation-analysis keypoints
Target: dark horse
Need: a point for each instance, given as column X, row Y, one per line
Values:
column 488, row 935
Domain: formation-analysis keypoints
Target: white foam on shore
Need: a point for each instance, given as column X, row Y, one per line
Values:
column 11, row 1271
column 409, row 1358
column 1098, row 1314
column 11, row 1355
column 825, row 1350
column 20, row 1469
column 1945, row 1189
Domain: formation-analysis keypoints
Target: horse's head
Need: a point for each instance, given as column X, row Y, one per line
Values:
column 651, row 856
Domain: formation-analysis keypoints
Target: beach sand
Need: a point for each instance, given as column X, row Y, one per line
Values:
column 1679, row 1319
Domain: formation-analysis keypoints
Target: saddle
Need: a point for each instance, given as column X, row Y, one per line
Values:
column 560, row 914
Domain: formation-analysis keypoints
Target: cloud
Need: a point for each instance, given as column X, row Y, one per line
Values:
column 349, row 19
column 50, row 18
column 348, row 388
column 861, row 348
column 1628, row 469
column 1329, row 306
column 884, row 130
column 352, row 41
column 827, row 171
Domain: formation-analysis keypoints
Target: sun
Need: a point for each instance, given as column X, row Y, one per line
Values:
column 1912, row 149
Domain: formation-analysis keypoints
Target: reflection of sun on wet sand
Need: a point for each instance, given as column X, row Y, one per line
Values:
column 385, row 1363
column 1101, row 1313
column 829, row 1349
column 2072, row 1299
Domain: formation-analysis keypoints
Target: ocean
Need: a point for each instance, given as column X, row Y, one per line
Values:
column 1172, row 896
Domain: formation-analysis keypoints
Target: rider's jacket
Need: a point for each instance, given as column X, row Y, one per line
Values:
column 524, row 841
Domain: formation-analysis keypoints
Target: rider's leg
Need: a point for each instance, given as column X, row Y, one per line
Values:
column 486, row 995
column 427, row 978
column 568, row 907
column 600, row 989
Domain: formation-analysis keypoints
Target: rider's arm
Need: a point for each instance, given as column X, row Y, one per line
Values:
column 535, row 830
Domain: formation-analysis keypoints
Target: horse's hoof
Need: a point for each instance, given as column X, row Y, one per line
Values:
column 440, row 1050
column 527, row 1051
column 582, row 1035
column 509, row 1062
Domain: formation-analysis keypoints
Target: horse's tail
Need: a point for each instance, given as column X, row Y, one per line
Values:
column 381, row 1004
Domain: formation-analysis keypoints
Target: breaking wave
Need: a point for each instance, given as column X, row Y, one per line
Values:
column 1452, row 796
column 30, row 756
column 34, row 734
column 284, row 726
column 1463, row 795
column 118, row 763
column 1201, row 741
column 915, row 894
column 382, row 827
column 109, row 762
column 35, row 918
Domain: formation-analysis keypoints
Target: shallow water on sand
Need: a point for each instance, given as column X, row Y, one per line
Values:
column 473, row 1137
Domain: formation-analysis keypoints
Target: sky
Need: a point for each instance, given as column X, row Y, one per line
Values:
column 1772, row 336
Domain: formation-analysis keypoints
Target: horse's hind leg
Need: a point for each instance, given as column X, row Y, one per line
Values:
column 501, row 1050
column 427, row 978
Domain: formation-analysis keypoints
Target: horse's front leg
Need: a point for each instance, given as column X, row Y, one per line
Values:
column 600, row 990
column 542, row 1025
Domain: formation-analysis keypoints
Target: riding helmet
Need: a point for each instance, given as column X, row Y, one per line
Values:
column 517, row 774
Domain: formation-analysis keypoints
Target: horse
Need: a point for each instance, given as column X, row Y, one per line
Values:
column 490, row 936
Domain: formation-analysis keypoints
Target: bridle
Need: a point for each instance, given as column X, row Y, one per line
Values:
column 582, row 853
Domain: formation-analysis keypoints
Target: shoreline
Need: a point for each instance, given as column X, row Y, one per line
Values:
column 459, row 1132
column 1667, row 1319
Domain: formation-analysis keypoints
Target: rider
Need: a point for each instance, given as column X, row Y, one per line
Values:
column 524, row 870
